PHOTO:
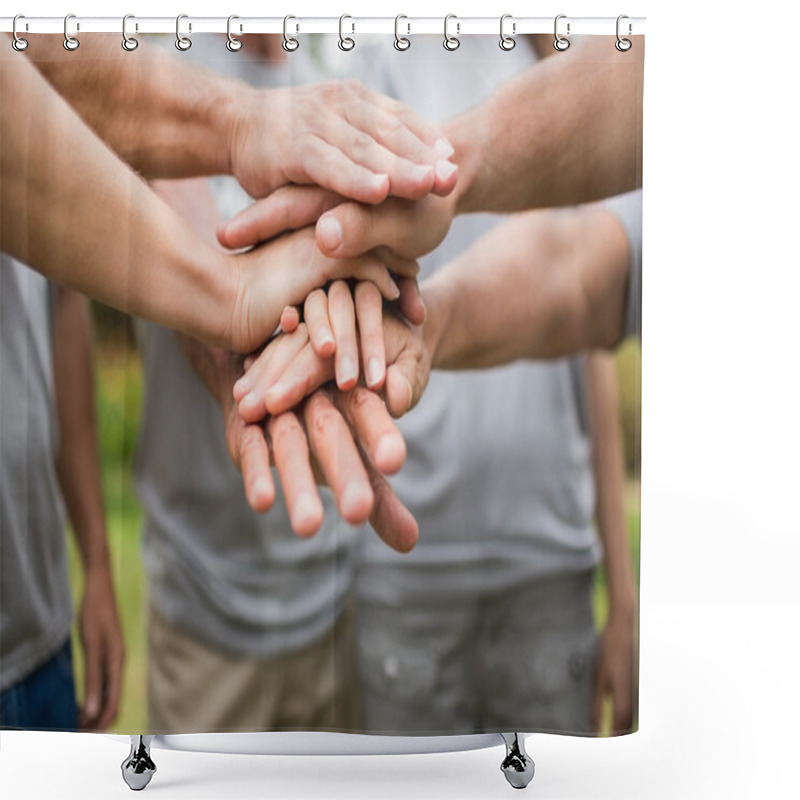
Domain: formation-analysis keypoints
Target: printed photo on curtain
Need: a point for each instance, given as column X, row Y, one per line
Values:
column 320, row 382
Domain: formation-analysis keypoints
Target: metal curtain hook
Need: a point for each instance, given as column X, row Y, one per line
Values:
column 233, row 44
column 129, row 43
column 401, row 42
column 451, row 42
column 561, row 43
column 70, row 42
column 345, row 42
column 507, row 42
column 18, row 43
column 290, row 44
column 183, row 43
column 623, row 45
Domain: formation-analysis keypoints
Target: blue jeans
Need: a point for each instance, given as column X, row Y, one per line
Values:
column 45, row 700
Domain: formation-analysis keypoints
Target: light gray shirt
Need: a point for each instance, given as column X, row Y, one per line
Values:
column 35, row 605
column 240, row 581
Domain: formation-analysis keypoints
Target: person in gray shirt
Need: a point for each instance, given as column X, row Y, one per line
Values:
column 48, row 458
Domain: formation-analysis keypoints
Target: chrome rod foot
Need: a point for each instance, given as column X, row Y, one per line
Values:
column 138, row 768
column 517, row 766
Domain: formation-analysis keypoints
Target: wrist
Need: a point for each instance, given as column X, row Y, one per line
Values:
column 468, row 133
column 437, row 298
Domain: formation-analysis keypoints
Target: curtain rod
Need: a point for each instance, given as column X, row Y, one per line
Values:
column 351, row 25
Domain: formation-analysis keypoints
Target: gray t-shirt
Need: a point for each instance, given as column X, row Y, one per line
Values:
column 498, row 472
column 240, row 581
column 628, row 210
column 35, row 606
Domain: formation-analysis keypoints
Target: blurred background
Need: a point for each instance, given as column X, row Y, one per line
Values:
column 118, row 386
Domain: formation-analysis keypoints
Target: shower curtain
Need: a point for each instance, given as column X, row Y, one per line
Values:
column 407, row 272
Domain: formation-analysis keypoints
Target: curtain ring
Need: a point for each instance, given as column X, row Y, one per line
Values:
column 183, row 43
column 233, row 44
column 507, row 42
column 345, row 42
column 623, row 45
column 561, row 43
column 290, row 44
column 451, row 43
column 18, row 43
column 70, row 42
column 401, row 42
column 129, row 43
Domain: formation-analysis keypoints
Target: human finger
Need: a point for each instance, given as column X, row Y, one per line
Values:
column 306, row 373
column 338, row 457
column 270, row 364
column 406, row 178
column 389, row 518
column 292, row 460
column 259, row 486
column 369, row 312
column 315, row 314
column 410, row 303
column 287, row 208
column 326, row 165
column 342, row 316
column 290, row 319
column 375, row 430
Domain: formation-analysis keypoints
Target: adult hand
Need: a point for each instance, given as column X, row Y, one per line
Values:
column 103, row 651
column 289, row 369
column 395, row 228
column 616, row 674
column 284, row 272
column 344, row 440
column 340, row 136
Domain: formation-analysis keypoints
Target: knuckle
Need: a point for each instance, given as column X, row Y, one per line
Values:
column 362, row 143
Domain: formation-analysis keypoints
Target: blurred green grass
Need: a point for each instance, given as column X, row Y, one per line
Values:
column 119, row 383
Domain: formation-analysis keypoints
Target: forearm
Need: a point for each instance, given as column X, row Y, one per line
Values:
column 77, row 463
column 541, row 285
column 173, row 119
column 566, row 131
column 70, row 209
column 609, row 472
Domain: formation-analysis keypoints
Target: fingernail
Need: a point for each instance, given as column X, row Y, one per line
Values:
column 390, row 453
column 443, row 148
column 347, row 371
column 445, row 169
column 91, row 707
column 380, row 182
column 241, row 387
column 273, row 395
column 356, row 501
column 410, row 393
column 326, row 340
column 374, row 372
column 395, row 291
column 305, row 514
column 261, row 490
column 248, row 403
column 330, row 232
column 422, row 173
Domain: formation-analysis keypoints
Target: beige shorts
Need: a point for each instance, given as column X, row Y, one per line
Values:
column 195, row 688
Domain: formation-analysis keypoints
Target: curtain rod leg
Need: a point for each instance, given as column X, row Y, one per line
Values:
column 138, row 768
column 517, row 766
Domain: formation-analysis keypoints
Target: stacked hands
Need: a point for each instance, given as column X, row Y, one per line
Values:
column 318, row 399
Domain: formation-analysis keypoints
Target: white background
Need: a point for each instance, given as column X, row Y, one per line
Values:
column 720, row 704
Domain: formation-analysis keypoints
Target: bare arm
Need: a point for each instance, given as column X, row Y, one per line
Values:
column 566, row 131
column 616, row 670
column 78, row 472
column 169, row 118
column 541, row 285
